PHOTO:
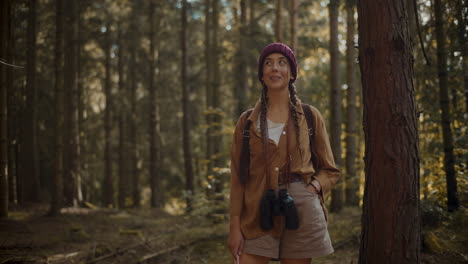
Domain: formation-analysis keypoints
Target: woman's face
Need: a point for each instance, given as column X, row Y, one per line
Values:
column 276, row 71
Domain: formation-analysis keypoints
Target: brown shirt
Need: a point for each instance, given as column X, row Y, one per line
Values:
column 245, row 199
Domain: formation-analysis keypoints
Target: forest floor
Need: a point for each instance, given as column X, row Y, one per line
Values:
column 153, row 236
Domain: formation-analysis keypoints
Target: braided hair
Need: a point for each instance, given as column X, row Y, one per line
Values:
column 292, row 108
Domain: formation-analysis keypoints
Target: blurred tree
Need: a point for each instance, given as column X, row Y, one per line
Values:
column 241, row 88
column 449, row 159
column 279, row 26
column 352, row 179
column 57, row 191
column 335, row 103
column 391, row 136
column 5, row 11
column 189, row 187
column 293, row 25
column 154, row 131
column 29, row 153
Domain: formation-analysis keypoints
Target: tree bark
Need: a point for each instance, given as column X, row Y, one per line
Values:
column 30, row 151
column 108, row 184
column 12, row 110
column 4, row 43
column 352, row 180
column 279, row 28
column 154, row 130
column 57, row 193
column 185, row 109
column 217, row 112
column 241, row 89
column 133, row 133
column 123, row 179
column 449, row 159
column 209, row 87
column 335, row 103
column 390, row 219
column 294, row 25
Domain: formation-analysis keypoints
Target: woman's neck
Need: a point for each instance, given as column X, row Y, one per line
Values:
column 278, row 100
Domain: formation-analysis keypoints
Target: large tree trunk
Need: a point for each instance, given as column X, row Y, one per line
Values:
column 294, row 26
column 185, row 109
column 108, row 184
column 57, row 193
column 390, row 220
column 80, row 108
column 154, row 117
column 30, row 151
column 352, row 180
column 4, row 42
column 279, row 26
column 335, row 103
column 449, row 160
column 136, row 197
column 123, row 178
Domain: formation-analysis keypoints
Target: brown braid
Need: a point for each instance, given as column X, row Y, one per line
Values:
column 292, row 107
column 263, row 110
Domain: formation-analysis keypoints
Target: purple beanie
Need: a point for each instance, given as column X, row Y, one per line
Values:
column 278, row 48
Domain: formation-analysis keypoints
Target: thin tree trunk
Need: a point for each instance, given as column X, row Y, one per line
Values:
column 57, row 193
column 294, row 4
column 154, row 124
column 462, row 16
column 108, row 186
column 30, row 150
column 185, row 109
column 209, row 87
column 279, row 27
column 241, row 88
column 133, row 132
column 352, row 180
column 335, row 103
column 81, row 159
column 123, row 181
column 390, row 220
column 4, row 39
column 449, row 159
column 12, row 110
column 217, row 115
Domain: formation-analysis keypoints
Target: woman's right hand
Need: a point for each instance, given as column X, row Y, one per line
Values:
column 235, row 243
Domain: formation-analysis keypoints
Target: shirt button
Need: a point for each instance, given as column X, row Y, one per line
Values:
column 284, row 132
column 276, row 169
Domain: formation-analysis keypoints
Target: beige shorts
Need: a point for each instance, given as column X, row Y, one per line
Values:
column 310, row 240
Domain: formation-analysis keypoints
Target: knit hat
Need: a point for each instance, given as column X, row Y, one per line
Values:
column 278, row 48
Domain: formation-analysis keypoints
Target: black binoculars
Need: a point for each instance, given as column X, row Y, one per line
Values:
column 284, row 205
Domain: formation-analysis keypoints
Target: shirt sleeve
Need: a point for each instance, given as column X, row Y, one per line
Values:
column 237, row 189
column 328, row 174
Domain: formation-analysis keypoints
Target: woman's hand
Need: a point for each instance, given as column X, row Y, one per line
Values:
column 235, row 242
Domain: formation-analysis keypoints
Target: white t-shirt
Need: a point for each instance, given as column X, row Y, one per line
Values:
column 274, row 130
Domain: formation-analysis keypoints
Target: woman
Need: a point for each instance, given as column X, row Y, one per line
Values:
column 280, row 158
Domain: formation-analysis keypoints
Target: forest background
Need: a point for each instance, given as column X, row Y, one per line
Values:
column 128, row 107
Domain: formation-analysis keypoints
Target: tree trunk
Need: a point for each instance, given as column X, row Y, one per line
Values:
column 108, row 186
column 12, row 110
column 30, row 150
column 72, row 189
column 449, row 160
column 241, row 89
column 80, row 108
column 123, row 179
column 352, row 180
column 57, row 193
column 209, row 88
column 335, row 103
column 133, row 132
column 278, row 28
column 4, row 46
column 154, row 117
column 294, row 26
column 185, row 109
column 217, row 112
column 390, row 220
